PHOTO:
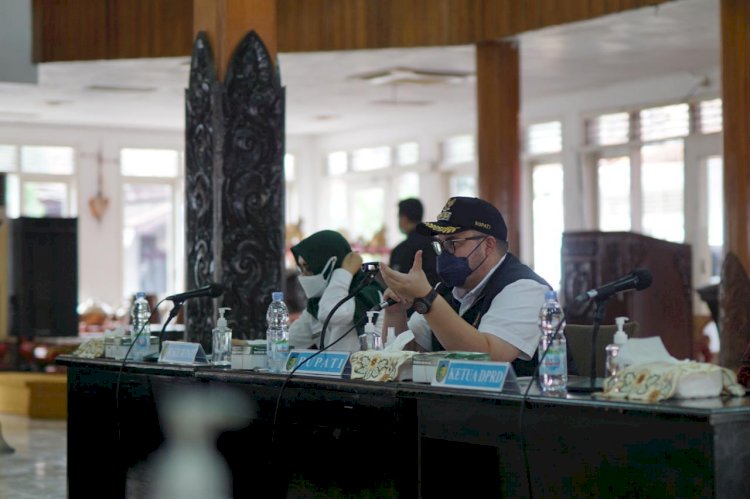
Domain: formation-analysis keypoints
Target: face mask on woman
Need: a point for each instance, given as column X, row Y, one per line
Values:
column 314, row 285
column 454, row 270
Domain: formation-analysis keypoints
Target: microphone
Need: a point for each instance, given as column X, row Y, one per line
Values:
column 638, row 279
column 213, row 290
column 383, row 304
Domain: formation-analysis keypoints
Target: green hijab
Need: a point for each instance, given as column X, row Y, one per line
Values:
column 317, row 249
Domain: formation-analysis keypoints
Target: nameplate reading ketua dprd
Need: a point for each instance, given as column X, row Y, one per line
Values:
column 323, row 364
column 475, row 375
column 182, row 352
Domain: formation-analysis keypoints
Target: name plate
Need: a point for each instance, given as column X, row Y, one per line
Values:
column 182, row 352
column 474, row 375
column 323, row 364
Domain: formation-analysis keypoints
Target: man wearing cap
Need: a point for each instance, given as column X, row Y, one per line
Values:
column 495, row 301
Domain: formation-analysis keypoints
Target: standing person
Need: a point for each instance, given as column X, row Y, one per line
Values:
column 330, row 271
column 410, row 212
column 494, row 305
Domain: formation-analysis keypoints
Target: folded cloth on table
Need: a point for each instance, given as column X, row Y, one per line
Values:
column 378, row 365
column 657, row 381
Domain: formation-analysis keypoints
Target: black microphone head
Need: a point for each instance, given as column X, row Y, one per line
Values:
column 644, row 278
column 215, row 289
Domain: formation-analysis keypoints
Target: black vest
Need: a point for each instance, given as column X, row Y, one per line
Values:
column 510, row 271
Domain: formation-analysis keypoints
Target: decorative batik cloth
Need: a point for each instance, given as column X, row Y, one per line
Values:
column 377, row 365
column 657, row 381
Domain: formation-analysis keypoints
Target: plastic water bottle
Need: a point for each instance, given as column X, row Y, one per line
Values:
column 277, row 335
column 553, row 369
column 140, row 315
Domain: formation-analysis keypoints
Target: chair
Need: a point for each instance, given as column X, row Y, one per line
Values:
column 578, row 337
column 734, row 313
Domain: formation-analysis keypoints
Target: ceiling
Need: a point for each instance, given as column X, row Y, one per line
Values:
column 323, row 98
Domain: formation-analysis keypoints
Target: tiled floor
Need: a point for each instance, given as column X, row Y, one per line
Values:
column 37, row 468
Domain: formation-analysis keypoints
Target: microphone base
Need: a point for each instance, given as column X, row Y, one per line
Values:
column 585, row 385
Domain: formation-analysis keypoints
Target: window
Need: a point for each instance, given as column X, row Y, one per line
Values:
column 407, row 154
column 544, row 138
column 710, row 116
column 715, row 176
column 292, row 196
column 151, row 193
column 337, row 163
column 463, row 185
column 547, row 209
column 608, row 129
column 662, row 187
column 613, row 178
column 40, row 180
column 371, row 158
column 665, row 122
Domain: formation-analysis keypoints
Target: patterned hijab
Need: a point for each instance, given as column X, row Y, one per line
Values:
column 317, row 249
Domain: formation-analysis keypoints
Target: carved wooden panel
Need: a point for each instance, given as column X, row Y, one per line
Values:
column 734, row 313
column 591, row 259
column 234, row 187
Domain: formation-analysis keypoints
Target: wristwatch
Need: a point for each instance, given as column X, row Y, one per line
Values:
column 422, row 305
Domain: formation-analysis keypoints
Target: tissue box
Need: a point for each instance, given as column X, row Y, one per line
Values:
column 377, row 365
column 249, row 354
column 426, row 363
column 116, row 347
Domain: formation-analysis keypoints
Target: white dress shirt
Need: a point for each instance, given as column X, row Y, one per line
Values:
column 512, row 316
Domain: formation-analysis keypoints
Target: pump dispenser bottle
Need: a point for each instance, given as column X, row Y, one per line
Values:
column 222, row 341
column 371, row 339
column 620, row 337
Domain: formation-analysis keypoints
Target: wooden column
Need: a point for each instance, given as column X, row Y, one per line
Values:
column 226, row 22
column 735, row 76
column 498, row 108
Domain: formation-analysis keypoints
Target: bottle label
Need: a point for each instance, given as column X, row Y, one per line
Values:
column 555, row 362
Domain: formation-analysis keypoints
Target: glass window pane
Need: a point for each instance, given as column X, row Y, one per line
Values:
column 12, row 196
column 149, row 162
column 715, row 212
column 613, row 178
column 609, row 129
column 548, row 221
column 371, row 158
column 710, row 116
column 47, row 159
column 408, row 185
column 146, row 238
column 337, row 163
column 664, row 122
column 544, row 138
column 663, row 186
column 289, row 168
column 459, row 149
column 407, row 153
column 463, row 185
column 368, row 213
column 45, row 199
column 338, row 207
column 8, row 159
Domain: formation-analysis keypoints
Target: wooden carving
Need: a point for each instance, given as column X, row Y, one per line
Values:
column 734, row 314
column 234, row 187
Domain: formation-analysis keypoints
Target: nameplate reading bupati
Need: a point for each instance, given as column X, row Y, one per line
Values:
column 325, row 363
column 182, row 352
column 473, row 375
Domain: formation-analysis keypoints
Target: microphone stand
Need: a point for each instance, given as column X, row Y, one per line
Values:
column 172, row 314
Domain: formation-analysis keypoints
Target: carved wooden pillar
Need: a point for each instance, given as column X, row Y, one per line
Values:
column 735, row 80
column 498, row 108
column 234, row 152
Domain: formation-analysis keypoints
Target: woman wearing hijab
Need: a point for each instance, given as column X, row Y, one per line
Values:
column 329, row 272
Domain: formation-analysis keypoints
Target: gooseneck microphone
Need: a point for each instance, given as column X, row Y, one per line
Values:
column 212, row 290
column 383, row 304
column 638, row 279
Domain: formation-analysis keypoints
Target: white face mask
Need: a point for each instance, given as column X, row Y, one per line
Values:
column 314, row 285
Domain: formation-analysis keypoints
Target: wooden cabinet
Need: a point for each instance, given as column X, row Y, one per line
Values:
column 591, row 259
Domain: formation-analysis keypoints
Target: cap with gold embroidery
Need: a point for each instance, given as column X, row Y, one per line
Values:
column 463, row 213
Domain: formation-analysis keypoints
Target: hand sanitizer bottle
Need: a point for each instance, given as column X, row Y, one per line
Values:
column 371, row 339
column 613, row 349
column 222, row 341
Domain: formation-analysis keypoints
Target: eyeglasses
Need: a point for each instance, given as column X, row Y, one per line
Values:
column 449, row 245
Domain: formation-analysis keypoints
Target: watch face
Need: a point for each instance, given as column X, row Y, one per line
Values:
column 420, row 306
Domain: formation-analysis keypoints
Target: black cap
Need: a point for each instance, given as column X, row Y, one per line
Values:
column 462, row 213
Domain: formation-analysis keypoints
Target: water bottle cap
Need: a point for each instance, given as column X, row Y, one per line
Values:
column 550, row 295
column 277, row 296
column 140, row 294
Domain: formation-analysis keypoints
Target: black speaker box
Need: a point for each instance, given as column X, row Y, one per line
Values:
column 43, row 273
